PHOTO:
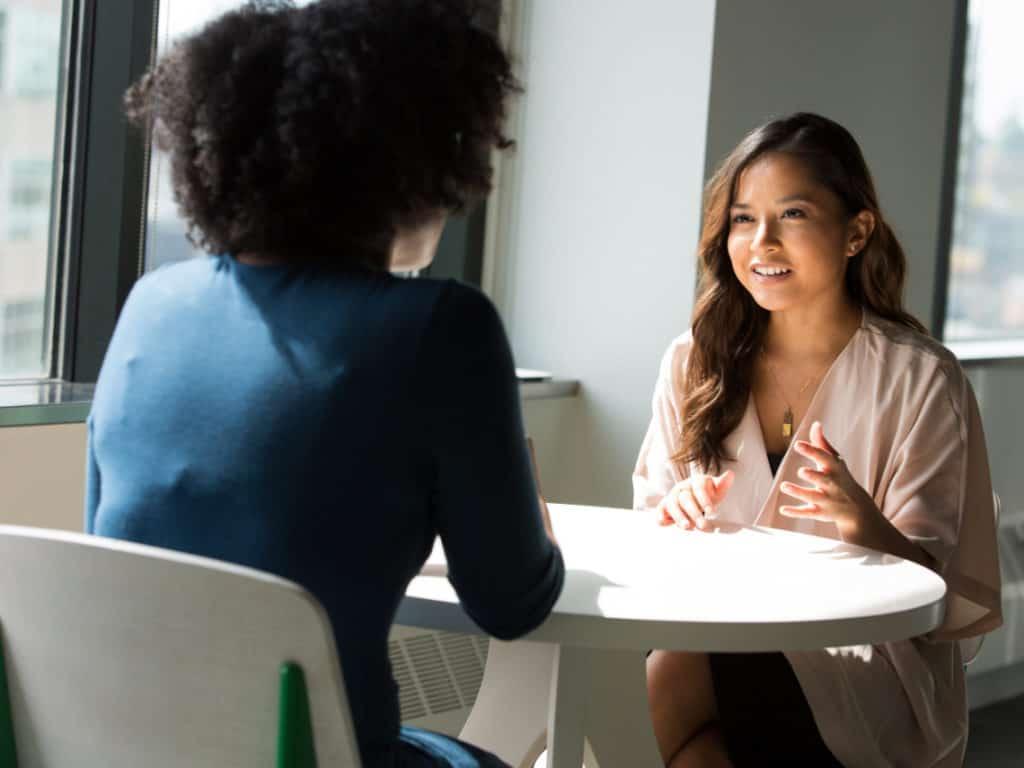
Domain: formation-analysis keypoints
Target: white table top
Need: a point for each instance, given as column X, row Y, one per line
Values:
column 631, row 584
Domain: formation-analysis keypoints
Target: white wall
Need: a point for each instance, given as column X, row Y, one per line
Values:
column 880, row 68
column 598, row 275
column 42, row 476
column 998, row 389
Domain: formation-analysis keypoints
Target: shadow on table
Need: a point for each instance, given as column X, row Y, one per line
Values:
column 582, row 591
column 853, row 552
column 838, row 551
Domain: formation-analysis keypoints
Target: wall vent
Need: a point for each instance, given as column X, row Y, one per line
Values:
column 436, row 672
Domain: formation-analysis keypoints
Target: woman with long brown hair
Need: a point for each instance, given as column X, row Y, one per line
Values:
column 805, row 397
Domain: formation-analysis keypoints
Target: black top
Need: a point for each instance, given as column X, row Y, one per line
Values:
column 774, row 460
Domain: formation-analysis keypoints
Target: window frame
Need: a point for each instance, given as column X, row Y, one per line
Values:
column 949, row 169
column 58, row 172
column 100, row 235
column 970, row 352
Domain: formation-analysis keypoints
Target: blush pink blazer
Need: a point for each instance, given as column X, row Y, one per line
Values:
column 899, row 409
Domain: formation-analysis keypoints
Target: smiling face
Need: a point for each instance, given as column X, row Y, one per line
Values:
column 790, row 239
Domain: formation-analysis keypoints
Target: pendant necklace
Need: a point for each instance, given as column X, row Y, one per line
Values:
column 787, row 417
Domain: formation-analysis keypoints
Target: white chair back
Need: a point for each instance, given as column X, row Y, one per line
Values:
column 119, row 655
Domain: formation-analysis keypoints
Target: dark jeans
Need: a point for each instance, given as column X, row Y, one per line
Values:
column 424, row 749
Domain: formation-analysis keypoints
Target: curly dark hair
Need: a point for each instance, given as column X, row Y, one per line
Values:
column 317, row 133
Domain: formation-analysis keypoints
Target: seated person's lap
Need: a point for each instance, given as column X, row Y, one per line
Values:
column 418, row 748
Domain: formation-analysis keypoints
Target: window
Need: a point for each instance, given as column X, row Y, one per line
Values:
column 29, row 201
column 985, row 292
column 30, row 59
column 20, row 322
column 36, row 41
column 3, row 47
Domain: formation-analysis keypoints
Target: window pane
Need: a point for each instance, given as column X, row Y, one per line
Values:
column 30, row 58
column 986, row 277
column 165, row 230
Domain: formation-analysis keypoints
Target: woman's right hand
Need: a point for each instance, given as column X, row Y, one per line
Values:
column 690, row 502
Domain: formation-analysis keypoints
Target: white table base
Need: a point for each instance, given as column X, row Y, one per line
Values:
column 534, row 694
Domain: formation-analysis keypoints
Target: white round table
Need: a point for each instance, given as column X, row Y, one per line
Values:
column 632, row 585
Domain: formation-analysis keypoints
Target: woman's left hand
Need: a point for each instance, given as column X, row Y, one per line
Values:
column 834, row 496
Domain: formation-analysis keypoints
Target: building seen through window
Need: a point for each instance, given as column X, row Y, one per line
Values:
column 30, row 51
column 985, row 297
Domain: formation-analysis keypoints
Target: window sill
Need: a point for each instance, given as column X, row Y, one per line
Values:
column 37, row 403
column 994, row 352
column 32, row 403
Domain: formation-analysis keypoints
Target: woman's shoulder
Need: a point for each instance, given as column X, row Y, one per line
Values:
column 161, row 290
column 915, row 358
column 453, row 309
column 463, row 348
column 169, row 277
column 900, row 341
column 673, row 361
column 460, row 316
column 463, row 297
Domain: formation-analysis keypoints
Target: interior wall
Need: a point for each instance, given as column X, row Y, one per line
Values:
column 42, row 476
column 998, row 389
column 881, row 69
column 598, row 273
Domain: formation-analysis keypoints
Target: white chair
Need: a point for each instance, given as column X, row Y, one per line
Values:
column 119, row 655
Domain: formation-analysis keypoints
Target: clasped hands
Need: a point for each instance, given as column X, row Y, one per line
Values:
column 831, row 496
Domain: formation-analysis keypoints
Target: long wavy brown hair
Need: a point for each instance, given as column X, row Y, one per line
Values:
column 728, row 326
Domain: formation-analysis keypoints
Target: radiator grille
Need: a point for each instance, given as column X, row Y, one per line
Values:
column 437, row 672
column 409, row 700
column 465, row 663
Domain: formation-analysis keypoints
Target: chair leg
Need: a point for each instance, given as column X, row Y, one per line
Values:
column 295, row 748
column 8, row 754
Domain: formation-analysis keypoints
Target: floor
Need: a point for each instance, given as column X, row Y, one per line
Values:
column 997, row 735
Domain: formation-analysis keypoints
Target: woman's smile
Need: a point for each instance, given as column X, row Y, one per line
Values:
column 770, row 274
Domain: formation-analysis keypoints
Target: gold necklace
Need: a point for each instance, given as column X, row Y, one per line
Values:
column 787, row 417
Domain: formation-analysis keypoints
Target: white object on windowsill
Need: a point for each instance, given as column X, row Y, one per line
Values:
column 529, row 374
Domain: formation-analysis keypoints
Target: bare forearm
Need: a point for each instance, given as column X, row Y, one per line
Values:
column 544, row 513
column 546, row 517
column 876, row 532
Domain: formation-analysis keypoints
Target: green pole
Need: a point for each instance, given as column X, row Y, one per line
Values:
column 8, row 755
column 295, row 747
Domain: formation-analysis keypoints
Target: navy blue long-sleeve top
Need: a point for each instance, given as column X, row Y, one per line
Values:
column 325, row 427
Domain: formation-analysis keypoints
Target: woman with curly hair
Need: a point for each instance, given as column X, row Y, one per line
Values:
column 288, row 404
column 806, row 398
